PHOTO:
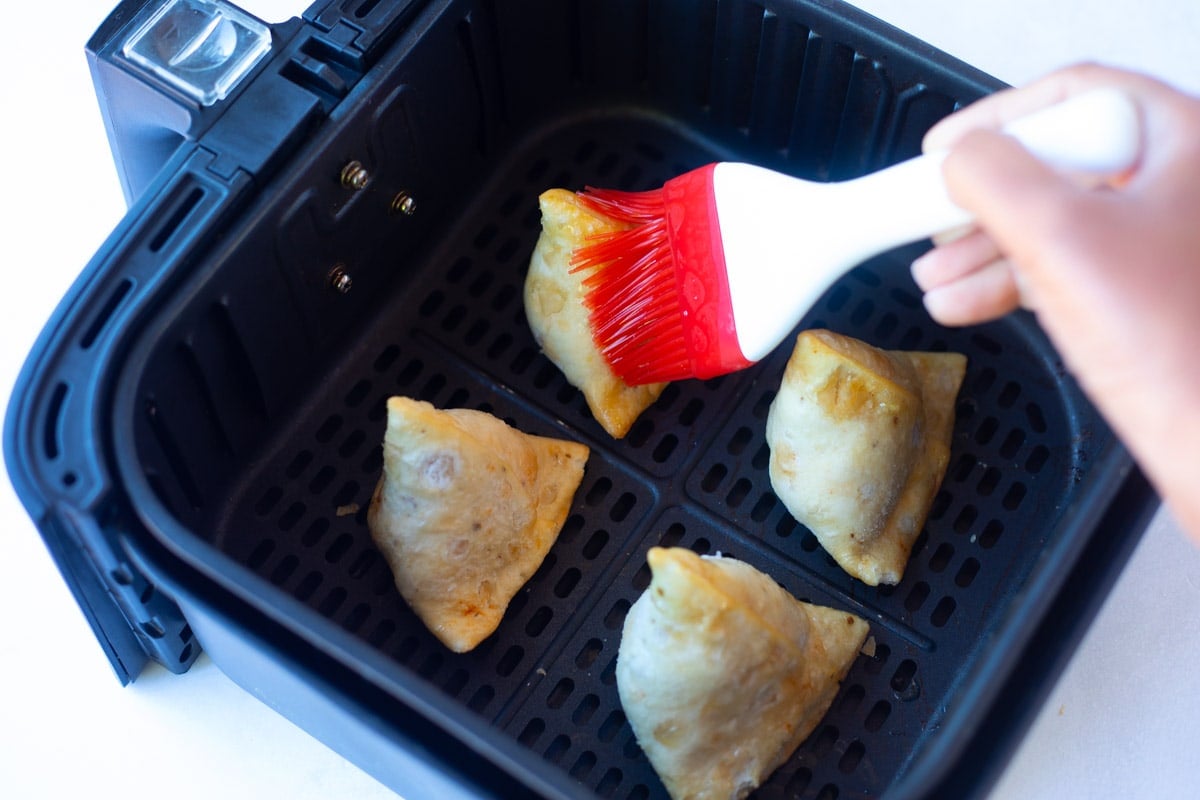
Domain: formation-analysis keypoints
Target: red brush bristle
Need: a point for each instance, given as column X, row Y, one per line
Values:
column 631, row 290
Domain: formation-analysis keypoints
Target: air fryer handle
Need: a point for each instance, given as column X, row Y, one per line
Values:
column 162, row 69
column 62, row 397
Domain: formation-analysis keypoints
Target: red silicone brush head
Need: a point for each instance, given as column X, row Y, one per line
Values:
column 630, row 291
column 658, row 295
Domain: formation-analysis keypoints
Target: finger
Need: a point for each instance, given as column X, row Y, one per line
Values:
column 945, row 237
column 954, row 260
column 1022, row 204
column 981, row 296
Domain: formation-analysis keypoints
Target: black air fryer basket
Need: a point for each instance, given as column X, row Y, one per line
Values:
column 197, row 432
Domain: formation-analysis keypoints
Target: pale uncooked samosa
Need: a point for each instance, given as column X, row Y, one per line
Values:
column 558, row 318
column 465, row 512
column 722, row 673
column 860, row 441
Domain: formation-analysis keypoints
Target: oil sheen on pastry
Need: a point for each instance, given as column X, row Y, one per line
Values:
column 465, row 512
column 559, row 320
column 722, row 673
column 860, row 441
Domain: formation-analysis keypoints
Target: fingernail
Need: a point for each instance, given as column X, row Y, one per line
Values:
column 918, row 267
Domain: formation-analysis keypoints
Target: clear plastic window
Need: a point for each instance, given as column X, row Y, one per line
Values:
column 202, row 47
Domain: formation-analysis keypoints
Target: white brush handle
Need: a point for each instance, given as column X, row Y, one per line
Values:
column 787, row 246
column 1092, row 136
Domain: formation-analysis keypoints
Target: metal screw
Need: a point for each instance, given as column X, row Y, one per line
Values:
column 340, row 280
column 404, row 203
column 355, row 176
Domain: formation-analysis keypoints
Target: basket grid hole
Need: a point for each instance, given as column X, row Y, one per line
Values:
column 641, row 578
column 531, row 732
column 358, row 393
column 828, row 792
column 963, row 467
column 588, row 653
column 875, row 663
column 967, row 572
column 283, row 570
column 291, row 516
column 1012, row 443
column 499, row 345
column 510, row 660
column 1037, row 420
column 852, row 698
column 965, row 519
column 612, row 725
column 738, row 442
column 609, row 676
column 988, row 483
column 559, row 746
column 538, row 622
column 454, row 318
column 739, row 492
column 615, row 618
column 595, row 545
column 862, row 312
column 322, row 479
column 315, row 531
column 763, row 406
column 762, row 457
column 268, row 500
column 586, row 709
column 917, row 596
column 941, row 502
column 1037, row 459
column 567, row 582
column 608, row 784
column 583, row 765
column 942, row 611
column 986, row 430
column 482, row 698
column 332, row 602
column 1014, row 496
column 824, row 741
column 941, row 557
column 338, row 548
column 308, row 586
column 763, row 508
column 991, row 533
column 665, row 448
column 476, row 332
column 456, row 682
column 623, row 507
column 382, row 631
column 798, row 782
column 298, row 464
column 877, row 715
column 562, row 690
column 713, row 478
column 887, row 325
column 851, row 758
column 357, row 618
column 902, row 678
column 984, row 380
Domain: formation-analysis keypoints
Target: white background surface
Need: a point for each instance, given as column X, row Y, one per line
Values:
column 1121, row 723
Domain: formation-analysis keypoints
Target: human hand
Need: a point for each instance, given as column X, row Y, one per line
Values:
column 1113, row 274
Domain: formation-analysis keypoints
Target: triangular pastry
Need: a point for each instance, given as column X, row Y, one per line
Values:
column 722, row 673
column 465, row 512
column 559, row 320
column 860, row 441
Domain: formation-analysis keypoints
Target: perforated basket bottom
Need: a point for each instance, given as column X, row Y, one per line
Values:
column 692, row 472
